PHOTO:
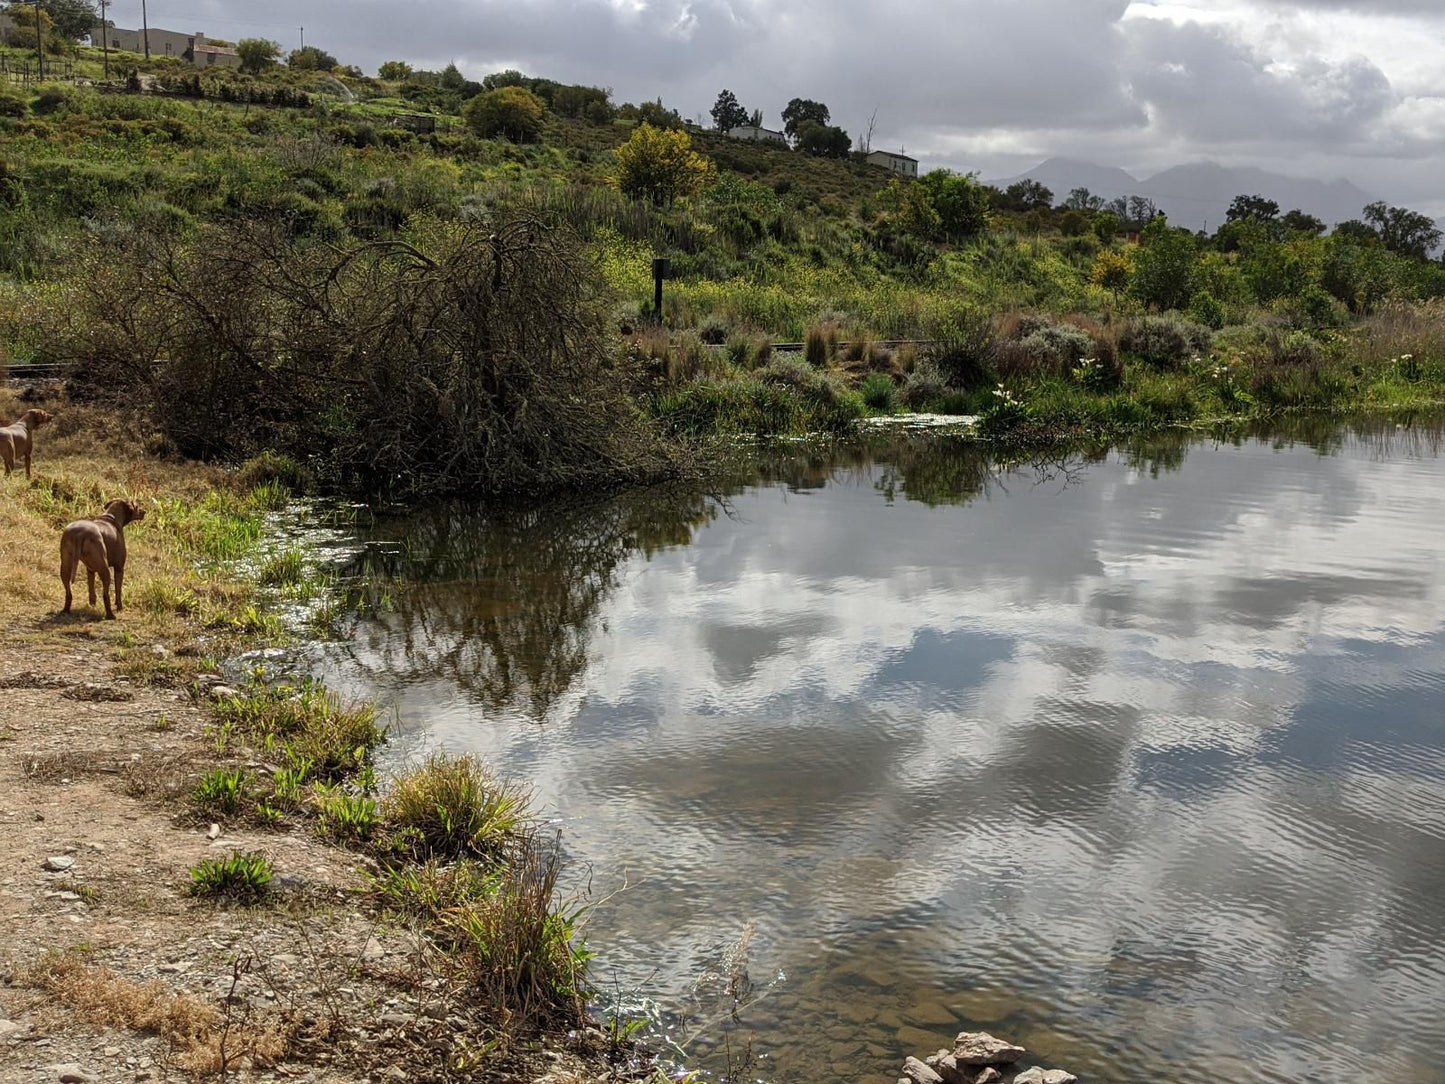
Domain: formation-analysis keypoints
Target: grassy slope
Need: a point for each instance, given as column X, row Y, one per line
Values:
column 788, row 244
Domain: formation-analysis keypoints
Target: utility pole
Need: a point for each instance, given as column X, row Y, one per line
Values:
column 105, row 40
column 303, row 37
column 145, row 28
column 39, row 42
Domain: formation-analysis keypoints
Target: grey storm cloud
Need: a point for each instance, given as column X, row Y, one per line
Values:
column 1205, row 85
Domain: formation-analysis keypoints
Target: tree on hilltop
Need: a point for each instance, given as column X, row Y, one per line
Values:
column 310, row 58
column 257, row 54
column 728, row 113
column 393, row 71
column 800, row 111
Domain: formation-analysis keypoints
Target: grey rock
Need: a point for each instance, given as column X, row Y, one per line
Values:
column 71, row 1073
column 160, row 651
column 981, row 1048
column 9, row 1028
column 988, row 1076
column 397, row 1019
column 919, row 1073
column 58, row 863
column 947, row 1067
column 1037, row 1075
column 222, row 692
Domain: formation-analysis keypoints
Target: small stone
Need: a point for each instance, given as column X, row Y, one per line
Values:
column 988, row 1076
column 981, row 1048
column 222, row 692
column 160, row 652
column 68, row 897
column 58, row 863
column 112, row 1051
column 9, row 1028
column 919, row 1073
column 396, row 1072
column 214, row 831
column 71, row 1073
column 1038, row 1075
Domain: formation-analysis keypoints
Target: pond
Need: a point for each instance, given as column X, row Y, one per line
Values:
column 1136, row 759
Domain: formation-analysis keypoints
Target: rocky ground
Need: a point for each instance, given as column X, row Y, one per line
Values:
column 113, row 972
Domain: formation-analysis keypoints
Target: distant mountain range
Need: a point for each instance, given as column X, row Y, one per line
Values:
column 1198, row 195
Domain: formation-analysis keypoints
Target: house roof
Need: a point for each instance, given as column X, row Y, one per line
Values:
column 893, row 154
column 219, row 50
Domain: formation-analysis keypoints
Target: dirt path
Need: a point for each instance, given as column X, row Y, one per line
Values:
column 113, row 972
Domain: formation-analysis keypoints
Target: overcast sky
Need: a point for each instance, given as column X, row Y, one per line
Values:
column 1323, row 88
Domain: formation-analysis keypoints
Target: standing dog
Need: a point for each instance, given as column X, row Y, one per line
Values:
column 18, row 441
column 100, row 544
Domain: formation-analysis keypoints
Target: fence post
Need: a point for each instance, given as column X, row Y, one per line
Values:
column 660, row 267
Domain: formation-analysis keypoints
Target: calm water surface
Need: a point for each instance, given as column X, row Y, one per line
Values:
column 1139, row 761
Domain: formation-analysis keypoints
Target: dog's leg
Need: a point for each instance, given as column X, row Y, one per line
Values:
column 67, row 573
column 119, row 580
column 105, row 591
column 90, row 576
column 27, row 466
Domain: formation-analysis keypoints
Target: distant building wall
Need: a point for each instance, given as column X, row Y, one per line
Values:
column 754, row 134
column 900, row 164
column 205, row 54
column 163, row 42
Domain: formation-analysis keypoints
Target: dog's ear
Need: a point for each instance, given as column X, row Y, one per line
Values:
column 137, row 513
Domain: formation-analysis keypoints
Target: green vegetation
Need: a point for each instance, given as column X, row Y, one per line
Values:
column 244, row 877
column 430, row 284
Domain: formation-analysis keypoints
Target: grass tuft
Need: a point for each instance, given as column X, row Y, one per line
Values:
column 451, row 807
column 240, row 876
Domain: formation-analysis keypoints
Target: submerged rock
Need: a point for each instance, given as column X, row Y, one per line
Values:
column 919, row 1073
column 1038, row 1075
column 980, row 1048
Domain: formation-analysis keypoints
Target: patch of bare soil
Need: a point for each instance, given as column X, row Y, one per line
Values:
column 111, row 971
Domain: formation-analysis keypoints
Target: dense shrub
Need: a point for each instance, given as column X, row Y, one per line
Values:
column 12, row 106
column 1165, row 341
column 510, row 112
column 463, row 360
column 1057, row 346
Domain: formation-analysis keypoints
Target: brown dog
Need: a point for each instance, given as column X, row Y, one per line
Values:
column 18, row 441
column 100, row 544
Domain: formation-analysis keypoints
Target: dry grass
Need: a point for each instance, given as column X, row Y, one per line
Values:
column 201, row 1039
column 83, row 459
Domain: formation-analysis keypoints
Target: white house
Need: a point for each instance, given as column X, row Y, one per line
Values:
column 191, row 47
column 900, row 164
column 754, row 134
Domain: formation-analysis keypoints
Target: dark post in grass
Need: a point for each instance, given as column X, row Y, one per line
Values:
column 105, row 40
column 660, row 268
column 39, row 44
column 145, row 28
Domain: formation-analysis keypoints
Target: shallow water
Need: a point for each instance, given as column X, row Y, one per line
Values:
column 1138, row 761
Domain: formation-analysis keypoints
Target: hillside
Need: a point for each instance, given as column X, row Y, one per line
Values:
column 377, row 251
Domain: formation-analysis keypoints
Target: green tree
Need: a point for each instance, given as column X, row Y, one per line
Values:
column 660, row 165
column 394, row 71
column 1299, row 222
column 1255, row 207
column 728, row 113
column 1081, row 199
column 960, row 201
column 823, row 140
column 257, row 54
column 1404, row 231
column 310, row 58
column 800, row 111
column 21, row 35
column 72, row 19
column 1164, row 266
column 510, row 112
column 1353, row 231
column 452, row 78
column 1106, row 226
column 1028, row 195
